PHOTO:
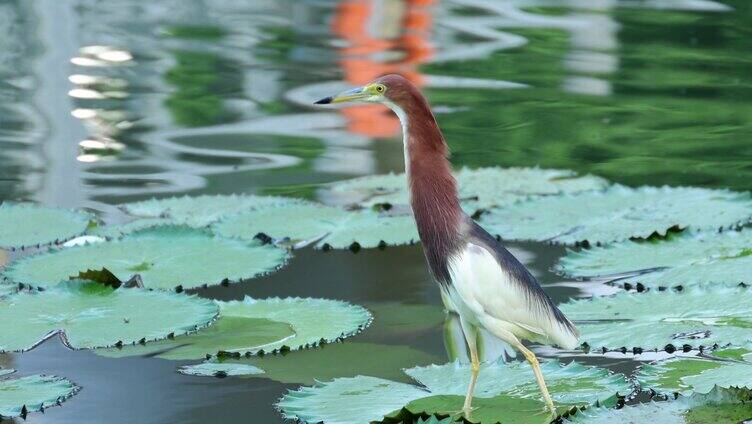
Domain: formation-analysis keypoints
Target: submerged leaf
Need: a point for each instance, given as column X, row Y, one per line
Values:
column 329, row 226
column 365, row 399
column 618, row 213
column 33, row 393
column 688, row 375
column 719, row 258
column 254, row 325
column 718, row 406
column 26, row 224
column 165, row 257
column 214, row 369
column 92, row 315
column 201, row 211
column 698, row 315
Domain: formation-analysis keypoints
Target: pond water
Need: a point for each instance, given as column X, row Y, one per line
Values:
column 108, row 102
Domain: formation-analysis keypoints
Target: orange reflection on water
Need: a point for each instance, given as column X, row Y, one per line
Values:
column 393, row 39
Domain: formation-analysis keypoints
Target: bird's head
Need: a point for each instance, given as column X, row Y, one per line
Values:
column 389, row 89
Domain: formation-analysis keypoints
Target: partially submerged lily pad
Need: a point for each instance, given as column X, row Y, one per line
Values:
column 481, row 188
column 220, row 370
column 26, row 224
column 164, row 257
column 718, row 406
column 684, row 259
column 695, row 316
column 365, row 399
column 19, row 396
column 619, row 213
column 119, row 230
column 91, row 315
column 698, row 374
column 200, row 211
column 326, row 225
column 252, row 326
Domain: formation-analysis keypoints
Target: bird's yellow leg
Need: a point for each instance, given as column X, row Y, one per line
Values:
column 471, row 336
column 530, row 356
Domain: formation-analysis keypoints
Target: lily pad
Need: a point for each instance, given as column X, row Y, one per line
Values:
column 365, row 399
column 201, row 211
column 117, row 231
column 26, row 224
column 481, row 188
column 698, row 315
column 689, row 375
column 164, row 257
column 684, row 259
column 254, row 325
column 92, row 315
column 215, row 369
column 19, row 396
column 618, row 213
column 329, row 226
column 718, row 406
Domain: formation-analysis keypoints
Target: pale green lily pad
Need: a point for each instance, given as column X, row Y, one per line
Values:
column 618, row 213
column 329, row 226
column 698, row 315
column 92, row 315
column 689, row 375
column 481, row 188
column 365, row 399
column 164, row 257
column 684, row 259
column 201, row 211
column 119, row 230
column 33, row 393
column 26, row 224
column 252, row 326
column 336, row 360
column 718, row 406
column 214, row 369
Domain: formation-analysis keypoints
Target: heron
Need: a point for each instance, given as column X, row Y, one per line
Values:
column 478, row 277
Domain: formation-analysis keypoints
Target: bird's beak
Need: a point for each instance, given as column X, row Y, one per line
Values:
column 354, row 95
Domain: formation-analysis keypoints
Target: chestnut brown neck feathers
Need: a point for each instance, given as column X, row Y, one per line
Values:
column 433, row 189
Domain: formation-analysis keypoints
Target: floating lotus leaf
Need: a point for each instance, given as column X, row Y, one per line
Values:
column 480, row 188
column 718, row 406
column 684, row 259
column 214, row 369
column 92, row 315
column 335, row 227
column 34, row 393
column 365, row 399
column 336, row 360
column 254, row 325
column 117, row 231
column 618, row 213
column 25, row 224
column 201, row 211
column 698, row 315
column 688, row 375
column 7, row 289
column 164, row 257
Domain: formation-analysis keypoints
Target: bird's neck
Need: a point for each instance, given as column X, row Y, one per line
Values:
column 433, row 189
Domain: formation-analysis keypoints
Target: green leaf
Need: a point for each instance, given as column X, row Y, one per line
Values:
column 26, row 224
column 164, row 257
column 686, row 259
column 698, row 315
column 480, row 188
column 33, row 393
column 688, row 375
column 335, row 227
column 92, row 315
column 618, row 213
column 201, row 211
column 214, row 369
column 365, row 399
column 254, row 325
column 117, row 231
column 718, row 406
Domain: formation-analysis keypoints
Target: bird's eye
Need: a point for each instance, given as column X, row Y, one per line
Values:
column 380, row 88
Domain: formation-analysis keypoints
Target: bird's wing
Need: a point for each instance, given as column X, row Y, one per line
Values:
column 488, row 277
